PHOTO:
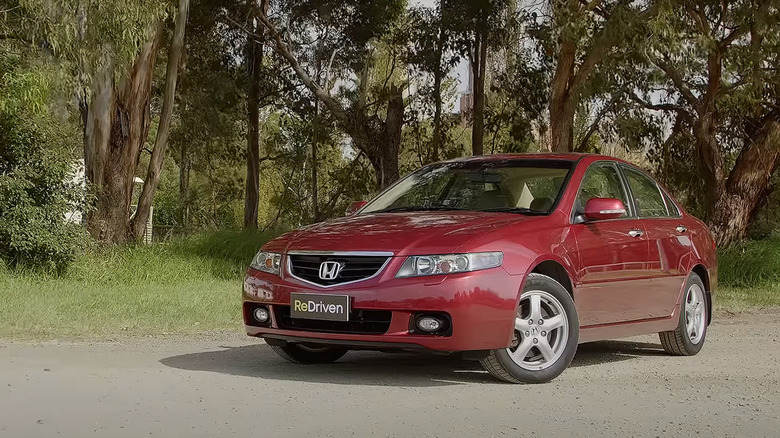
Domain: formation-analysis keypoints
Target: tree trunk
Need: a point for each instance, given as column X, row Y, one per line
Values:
column 184, row 185
column 438, row 76
column 388, row 172
column 478, row 65
column 562, row 105
column 254, row 62
column 437, row 125
column 117, row 125
column 315, row 210
column 158, row 154
column 710, row 160
column 735, row 208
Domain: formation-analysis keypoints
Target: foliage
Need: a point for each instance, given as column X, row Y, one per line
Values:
column 342, row 176
column 35, row 194
column 753, row 263
column 35, row 167
column 86, row 32
column 704, row 84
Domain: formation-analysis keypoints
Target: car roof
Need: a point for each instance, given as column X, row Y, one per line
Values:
column 536, row 156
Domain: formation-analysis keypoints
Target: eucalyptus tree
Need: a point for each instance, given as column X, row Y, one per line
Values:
column 577, row 37
column 368, row 109
column 432, row 50
column 212, row 112
column 713, row 68
column 175, row 53
column 481, row 26
column 111, row 49
column 115, row 51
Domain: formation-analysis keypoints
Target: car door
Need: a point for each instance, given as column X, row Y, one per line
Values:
column 670, row 246
column 613, row 255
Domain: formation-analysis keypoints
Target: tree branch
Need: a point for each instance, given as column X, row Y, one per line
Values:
column 658, row 106
column 595, row 125
column 677, row 80
column 700, row 19
column 600, row 47
column 733, row 35
column 280, row 47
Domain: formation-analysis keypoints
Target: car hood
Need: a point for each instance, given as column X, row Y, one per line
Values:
column 401, row 233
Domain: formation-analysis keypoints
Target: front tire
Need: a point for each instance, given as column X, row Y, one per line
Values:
column 688, row 338
column 546, row 334
column 309, row 354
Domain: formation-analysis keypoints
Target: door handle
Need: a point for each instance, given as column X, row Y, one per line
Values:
column 681, row 228
column 635, row 233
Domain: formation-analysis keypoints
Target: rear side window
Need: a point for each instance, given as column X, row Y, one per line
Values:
column 671, row 206
column 601, row 181
column 647, row 196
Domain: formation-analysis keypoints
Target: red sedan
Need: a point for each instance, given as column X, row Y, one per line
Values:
column 509, row 259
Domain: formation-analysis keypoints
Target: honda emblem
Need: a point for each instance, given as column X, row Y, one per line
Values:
column 330, row 270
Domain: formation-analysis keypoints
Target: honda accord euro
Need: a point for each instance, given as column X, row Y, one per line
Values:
column 509, row 259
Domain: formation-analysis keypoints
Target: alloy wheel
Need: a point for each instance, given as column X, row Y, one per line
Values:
column 695, row 315
column 541, row 331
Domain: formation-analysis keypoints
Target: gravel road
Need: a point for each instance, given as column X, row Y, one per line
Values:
column 229, row 385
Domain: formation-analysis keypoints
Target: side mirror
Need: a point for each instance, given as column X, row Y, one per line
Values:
column 357, row 205
column 599, row 209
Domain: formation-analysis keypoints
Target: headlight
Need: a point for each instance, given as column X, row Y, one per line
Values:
column 267, row 262
column 416, row 266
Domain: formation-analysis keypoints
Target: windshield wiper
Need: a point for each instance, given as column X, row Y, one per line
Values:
column 418, row 208
column 520, row 210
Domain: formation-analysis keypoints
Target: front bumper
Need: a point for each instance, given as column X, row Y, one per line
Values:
column 480, row 305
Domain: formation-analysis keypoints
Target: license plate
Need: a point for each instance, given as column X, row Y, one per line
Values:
column 319, row 306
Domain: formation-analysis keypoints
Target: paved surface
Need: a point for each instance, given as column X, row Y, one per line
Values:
column 227, row 385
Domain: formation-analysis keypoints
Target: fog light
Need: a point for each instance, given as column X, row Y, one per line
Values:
column 429, row 324
column 261, row 315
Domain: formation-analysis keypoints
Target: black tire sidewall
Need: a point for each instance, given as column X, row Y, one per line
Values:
column 547, row 284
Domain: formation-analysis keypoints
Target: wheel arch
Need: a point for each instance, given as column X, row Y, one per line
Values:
column 556, row 271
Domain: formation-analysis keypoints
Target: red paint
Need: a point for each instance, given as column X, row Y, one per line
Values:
column 601, row 209
column 622, row 285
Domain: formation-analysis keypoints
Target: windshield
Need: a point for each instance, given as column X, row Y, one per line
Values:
column 520, row 186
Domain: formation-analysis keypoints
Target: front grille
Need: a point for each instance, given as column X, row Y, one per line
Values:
column 361, row 322
column 307, row 267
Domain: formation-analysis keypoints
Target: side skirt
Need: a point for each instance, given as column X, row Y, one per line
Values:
column 618, row 330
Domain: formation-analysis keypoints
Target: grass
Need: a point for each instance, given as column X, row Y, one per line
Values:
column 740, row 299
column 749, row 276
column 186, row 286
column 192, row 285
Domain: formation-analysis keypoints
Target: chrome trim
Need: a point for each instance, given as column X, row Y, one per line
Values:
column 615, row 211
column 344, row 253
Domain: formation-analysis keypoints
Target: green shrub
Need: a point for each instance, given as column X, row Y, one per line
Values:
column 753, row 263
column 34, row 196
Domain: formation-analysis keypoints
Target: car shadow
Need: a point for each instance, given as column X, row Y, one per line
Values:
column 381, row 369
column 596, row 353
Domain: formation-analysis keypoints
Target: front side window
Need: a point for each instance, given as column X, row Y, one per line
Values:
column 647, row 196
column 601, row 181
column 518, row 186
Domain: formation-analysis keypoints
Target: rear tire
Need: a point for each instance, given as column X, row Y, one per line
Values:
column 688, row 338
column 539, row 352
column 309, row 354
